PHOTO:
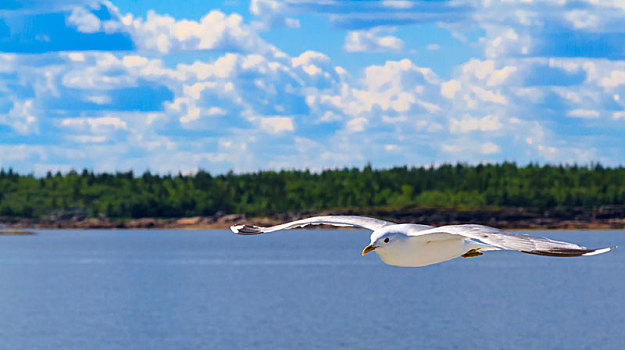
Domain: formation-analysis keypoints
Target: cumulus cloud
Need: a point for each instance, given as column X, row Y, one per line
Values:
column 468, row 123
column 31, row 27
column 371, row 41
column 214, row 31
column 276, row 125
column 555, row 29
column 21, row 117
column 273, row 14
column 84, row 20
column 583, row 113
column 97, row 125
column 357, row 15
column 489, row 148
column 251, row 106
column 92, row 25
column 449, row 88
column 356, row 124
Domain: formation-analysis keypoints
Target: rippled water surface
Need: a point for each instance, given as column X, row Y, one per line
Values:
column 157, row 289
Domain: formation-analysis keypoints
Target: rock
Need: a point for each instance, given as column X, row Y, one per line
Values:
column 189, row 221
column 232, row 218
column 141, row 223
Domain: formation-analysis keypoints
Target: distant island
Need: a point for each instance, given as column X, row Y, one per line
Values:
column 504, row 195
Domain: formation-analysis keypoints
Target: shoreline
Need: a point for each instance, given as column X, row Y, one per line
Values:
column 504, row 218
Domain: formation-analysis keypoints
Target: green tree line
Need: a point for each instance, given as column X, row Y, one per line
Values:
column 129, row 195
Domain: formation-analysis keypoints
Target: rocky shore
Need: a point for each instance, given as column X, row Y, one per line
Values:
column 607, row 217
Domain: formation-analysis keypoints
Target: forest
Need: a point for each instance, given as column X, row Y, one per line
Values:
column 127, row 195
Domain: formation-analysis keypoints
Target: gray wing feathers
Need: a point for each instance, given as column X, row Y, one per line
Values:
column 523, row 243
column 334, row 220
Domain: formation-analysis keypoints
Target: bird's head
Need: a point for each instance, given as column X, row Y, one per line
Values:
column 383, row 240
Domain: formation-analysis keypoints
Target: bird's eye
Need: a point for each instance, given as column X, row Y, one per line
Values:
column 386, row 240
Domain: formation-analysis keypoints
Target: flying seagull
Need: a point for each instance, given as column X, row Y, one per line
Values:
column 421, row 245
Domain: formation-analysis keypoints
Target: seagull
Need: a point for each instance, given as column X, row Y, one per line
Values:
column 415, row 245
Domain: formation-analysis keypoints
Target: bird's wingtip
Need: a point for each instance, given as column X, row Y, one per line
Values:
column 600, row 251
column 246, row 229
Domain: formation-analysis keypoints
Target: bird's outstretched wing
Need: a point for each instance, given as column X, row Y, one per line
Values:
column 335, row 220
column 505, row 240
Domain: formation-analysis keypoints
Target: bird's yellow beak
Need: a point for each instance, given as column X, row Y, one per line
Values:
column 368, row 249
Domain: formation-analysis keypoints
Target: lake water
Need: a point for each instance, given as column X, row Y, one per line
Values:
column 158, row 289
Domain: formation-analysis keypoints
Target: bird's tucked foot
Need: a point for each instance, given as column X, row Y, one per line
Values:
column 471, row 253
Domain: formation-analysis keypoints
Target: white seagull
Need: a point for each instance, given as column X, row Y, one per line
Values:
column 421, row 245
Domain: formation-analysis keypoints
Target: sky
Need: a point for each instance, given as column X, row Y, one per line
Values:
column 177, row 86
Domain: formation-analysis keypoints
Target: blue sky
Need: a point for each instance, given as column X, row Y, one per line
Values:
column 271, row 84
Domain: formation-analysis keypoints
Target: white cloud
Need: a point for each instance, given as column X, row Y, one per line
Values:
column 21, row 117
column 395, row 86
column 87, row 138
column 95, row 124
column 582, row 19
column 134, row 61
column 489, row 148
column 99, row 99
column 469, row 124
column 449, row 88
column 489, row 96
column 21, row 153
column 372, row 41
column 343, row 15
column 499, row 76
column 84, row 20
column 313, row 63
column 276, row 125
column 468, row 149
column 76, row 56
column 618, row 115
column 433, row 47
column 615, row 79
column 356, row 124
column 272, row 14
column 214, row 31
column 101, row 72
column 391, row 147
column 486, row 109
column 193, row 113
column 583, row 113
column 506, row 41
column 398, row 4
column 216, row 111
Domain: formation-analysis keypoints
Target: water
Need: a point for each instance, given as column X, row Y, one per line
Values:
column 157, row 289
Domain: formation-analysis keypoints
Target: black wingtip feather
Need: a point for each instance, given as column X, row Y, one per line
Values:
column 569, row 252
column 246, row 229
